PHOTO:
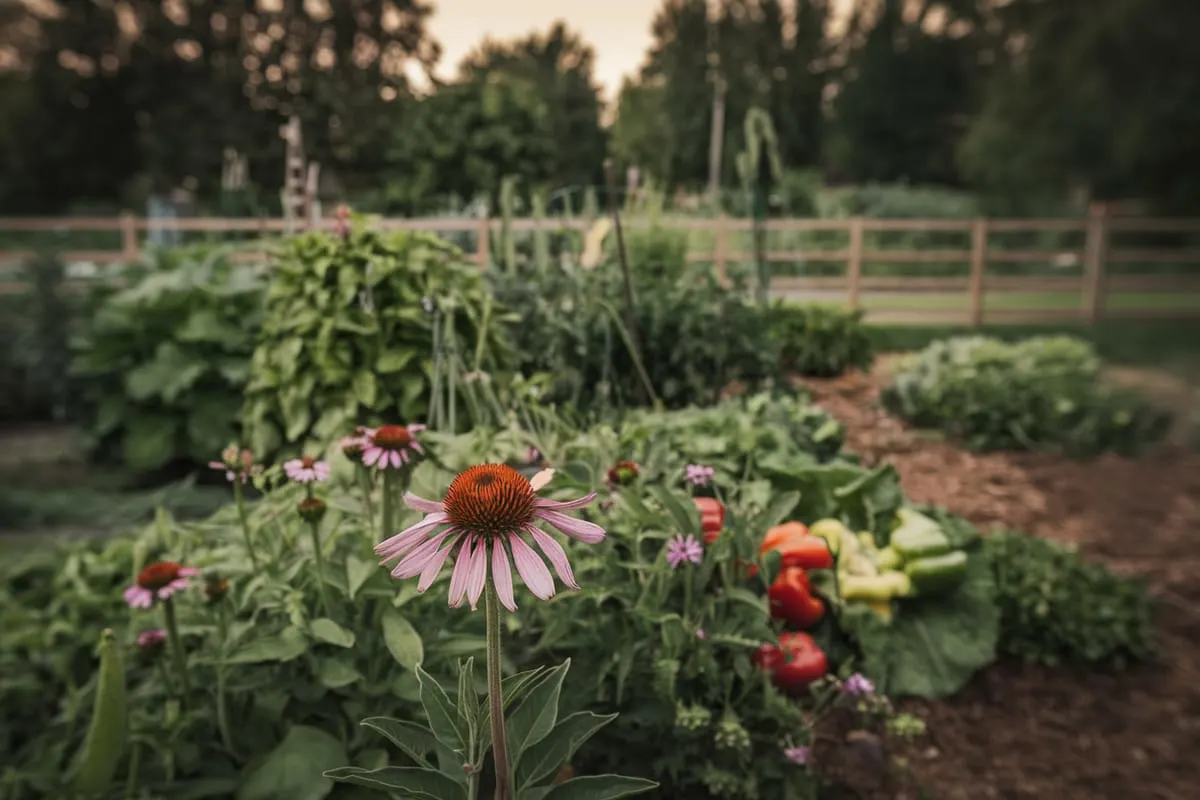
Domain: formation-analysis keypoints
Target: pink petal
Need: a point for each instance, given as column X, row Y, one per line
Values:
column 137, row 597
column 403, row 455
column 408, row 538
column 502, row 576
column 414, row 428
column 415, row 445
column 396, row 462
column 478, row 575
column 216, row 465
column 371, row 455
column 433, row 567
column 555, row 553
column 565, row 505
column 458, row 578
column 165, row 592
column 421, row 504
column 584, row 531
column 531, row 568
column 542, row 478
column 187, row 572
column 415, row 562
column 322, row 470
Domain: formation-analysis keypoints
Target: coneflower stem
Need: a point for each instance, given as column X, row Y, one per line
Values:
column 176, row 648
column 364, row 482
column 135, row 767
column 388, row 505
column 314, row 528
column 222, row 710
column 239, row 499
column 495, row 696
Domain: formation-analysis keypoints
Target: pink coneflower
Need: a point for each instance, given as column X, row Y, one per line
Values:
column 489, row 506
column 158, row 581
column 151, row 642
column 858, row 684
column 533, row 455
column 306, row 470
column 341, row 221
column 797, row 755
column 352, row 446
column 237, row 464
column 699, row 474
column 681, row 549
column 392, row 446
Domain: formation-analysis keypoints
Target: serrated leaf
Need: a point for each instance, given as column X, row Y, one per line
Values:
column 535, row 717
column 416, row 741
column 443, row 716
column 414, row 783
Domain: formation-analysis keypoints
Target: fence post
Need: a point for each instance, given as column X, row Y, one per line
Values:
column 854, row 262
column 1095, row 250
column 129, row 236
column 979, row 233
column 720, row 245
column 481, row 243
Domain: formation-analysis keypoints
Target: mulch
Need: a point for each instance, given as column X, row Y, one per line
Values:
column 1024, row 731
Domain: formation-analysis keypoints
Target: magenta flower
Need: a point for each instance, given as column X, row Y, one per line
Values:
column 682, row 549
column 701, row 634
column 797, row 755
column 489, row 507
column 151, row 639
column 699, row 474
column 306, row 470
column 391, row 446
column 158, row 581
column 858, row 684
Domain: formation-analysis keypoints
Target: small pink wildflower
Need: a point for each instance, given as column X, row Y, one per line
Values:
column 392, row 446
column 682, row 549
column 237, row 464
column 489, row 507
column 857, row 685
column 797, row 755
column 699, row 474
column 158, row 581
column 533, row 455
column 306, row 470
column 151, row 640
column 701, row 634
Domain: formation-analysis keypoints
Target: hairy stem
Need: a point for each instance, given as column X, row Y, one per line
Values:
column 496, row 698
column 240, row 499
column 177, row 648
column 314, row 528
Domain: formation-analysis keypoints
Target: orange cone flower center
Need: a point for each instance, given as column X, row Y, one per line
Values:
column 490, row 499
column 158, row 575
column 391, row 437
column 307, row 462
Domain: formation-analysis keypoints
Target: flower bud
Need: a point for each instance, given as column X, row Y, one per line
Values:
column 312, row 509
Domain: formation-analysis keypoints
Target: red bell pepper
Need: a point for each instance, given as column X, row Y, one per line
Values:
column 712, row 517
column 796, row 548
column 794, row 664
column 792, row 600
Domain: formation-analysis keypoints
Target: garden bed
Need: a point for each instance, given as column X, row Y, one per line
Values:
column 1022, row 731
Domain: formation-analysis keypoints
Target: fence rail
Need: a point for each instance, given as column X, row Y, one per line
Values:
column 1096, row 292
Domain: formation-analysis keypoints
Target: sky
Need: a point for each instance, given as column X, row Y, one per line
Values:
column 618, row 30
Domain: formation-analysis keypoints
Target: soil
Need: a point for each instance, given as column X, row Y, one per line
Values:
column 1022, row 731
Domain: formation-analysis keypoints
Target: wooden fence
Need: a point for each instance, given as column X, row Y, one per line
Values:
column 1106, row 271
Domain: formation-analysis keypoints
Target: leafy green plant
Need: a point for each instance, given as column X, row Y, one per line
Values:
column 35, row 329
column 362, row 328
column 1040, row 393
column 820, row 340
column 1055, row 607
column 164, row 356
column 695, row 336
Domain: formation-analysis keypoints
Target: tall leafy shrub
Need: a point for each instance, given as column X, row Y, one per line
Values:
column 350, row 330
column 164, row 356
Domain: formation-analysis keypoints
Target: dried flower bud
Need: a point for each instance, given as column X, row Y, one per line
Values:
column 215, row 588
column 312, row 509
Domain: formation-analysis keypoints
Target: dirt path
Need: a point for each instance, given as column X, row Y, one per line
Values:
column 1019, row 731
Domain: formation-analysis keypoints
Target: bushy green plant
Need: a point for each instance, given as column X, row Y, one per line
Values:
column 821, row 340
column 1043, row 392
column 34, row 331
column 362, row 328
column 163, row 358
column 1055, row 607
column 695, row 337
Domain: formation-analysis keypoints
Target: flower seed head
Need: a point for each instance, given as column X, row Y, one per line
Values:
column 311, row 509
column 490, row 500
column 391, row 437
column 158, row 575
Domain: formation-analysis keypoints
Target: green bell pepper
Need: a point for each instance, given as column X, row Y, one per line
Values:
column 919, row 541
column 874, row 588
column 938, row 574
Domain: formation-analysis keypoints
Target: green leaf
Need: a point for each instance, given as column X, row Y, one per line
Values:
column 364, row 388
column 402, row 639
column 600, row 787
column 534, row 718
column 443, row 716
column 933, row 646
column 415, row 741
column 295, row 770
column 413, row 783
column 686, row 517
column 287, row 645
column 394, row 360
column 337, row 673
column 549, row 755
column 328, row 631
column 781, row 507
column 358, row 572
column 149, row 441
